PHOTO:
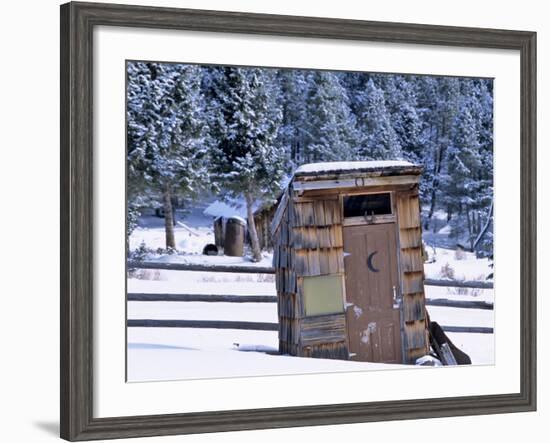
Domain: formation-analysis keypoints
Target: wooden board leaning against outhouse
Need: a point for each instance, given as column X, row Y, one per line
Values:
column 415, row 333
column 309, row 243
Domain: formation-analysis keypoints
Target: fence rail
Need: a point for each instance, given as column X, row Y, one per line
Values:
column 203, row 298
column 206, row 324
column 443, row 302
column 473, row 284
column 256, row 326
column 464, row 304
column 468, row 329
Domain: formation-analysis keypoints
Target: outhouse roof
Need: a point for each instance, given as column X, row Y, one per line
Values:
column 377, row 167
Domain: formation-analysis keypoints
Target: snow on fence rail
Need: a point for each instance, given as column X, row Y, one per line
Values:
column 474, row 284
column 241, row 269
column 256, row 269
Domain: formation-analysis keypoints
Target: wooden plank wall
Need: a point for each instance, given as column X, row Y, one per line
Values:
column 317, row 248
column 412, row 275
column 263, row 221
column 289, row 307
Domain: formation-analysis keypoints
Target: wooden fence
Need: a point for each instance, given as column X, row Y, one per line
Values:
column 264, row 326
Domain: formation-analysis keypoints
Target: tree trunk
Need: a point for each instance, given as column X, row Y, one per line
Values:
column 256, row 252
column 470, row 232
column 485, row 228
column 438, row 159
column 441, row 135
column 168, row 219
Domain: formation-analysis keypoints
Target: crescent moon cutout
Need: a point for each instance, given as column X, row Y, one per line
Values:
column 369, row 262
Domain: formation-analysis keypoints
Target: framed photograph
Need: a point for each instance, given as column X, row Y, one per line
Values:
column 273, row 221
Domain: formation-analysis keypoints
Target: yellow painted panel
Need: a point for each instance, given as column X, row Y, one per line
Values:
column 323, row 295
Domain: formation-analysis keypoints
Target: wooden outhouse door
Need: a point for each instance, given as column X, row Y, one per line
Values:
column 373, row 319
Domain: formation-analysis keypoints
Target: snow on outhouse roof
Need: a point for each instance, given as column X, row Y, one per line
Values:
column 379, row 166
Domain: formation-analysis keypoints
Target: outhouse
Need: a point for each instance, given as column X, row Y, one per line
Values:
column 348, row 259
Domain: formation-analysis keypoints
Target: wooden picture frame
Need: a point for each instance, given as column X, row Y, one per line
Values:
column 77, row 217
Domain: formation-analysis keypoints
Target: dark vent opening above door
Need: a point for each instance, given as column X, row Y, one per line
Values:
column 369, row 204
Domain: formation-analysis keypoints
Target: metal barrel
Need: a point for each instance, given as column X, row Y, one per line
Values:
column 219, row 231
column 234, row 237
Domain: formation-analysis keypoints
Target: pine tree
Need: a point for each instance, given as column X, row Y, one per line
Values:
column 167, row 135
column 294, row 89
column 378, row 139
column 401, row 103
column 439, row 103
column 246, row 159
column 468, row 181
column 330, row 128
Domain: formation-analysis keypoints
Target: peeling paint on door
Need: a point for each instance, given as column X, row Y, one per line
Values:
column 365, row 335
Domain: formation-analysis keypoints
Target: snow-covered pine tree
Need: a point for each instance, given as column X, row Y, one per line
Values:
column 484, row 102
column 401, row 103
column 246, row 159
column 168, row 136
column 138, row 193
column 330, row 129
column 467, row 190
column 294, row 90
column 378, row 139
column 438, row 100
column 354, row 83
column 462, row 169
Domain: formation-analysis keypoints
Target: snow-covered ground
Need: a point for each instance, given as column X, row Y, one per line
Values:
column 190, row 282
column 180, row 353
column 461, row 265
column 166, row 310
column 171, row 353
column 183, row 353
column 185, row 241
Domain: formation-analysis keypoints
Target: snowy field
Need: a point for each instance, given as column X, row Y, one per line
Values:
column 181, row 353
column 171, row 353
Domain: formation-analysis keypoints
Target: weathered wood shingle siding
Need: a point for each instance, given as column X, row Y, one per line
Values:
column 315, row 242
column 288, row 304
column 412, row 275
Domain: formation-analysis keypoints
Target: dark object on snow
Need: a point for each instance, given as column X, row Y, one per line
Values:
column 447, row 352
column 234, row 237
column 159, row 212
column 210, row 249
